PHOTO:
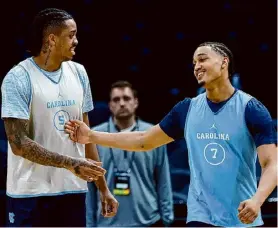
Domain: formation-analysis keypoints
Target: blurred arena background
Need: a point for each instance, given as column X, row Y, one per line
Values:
column 151, row 44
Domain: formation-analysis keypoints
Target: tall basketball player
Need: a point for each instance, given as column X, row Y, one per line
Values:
column 47, row 172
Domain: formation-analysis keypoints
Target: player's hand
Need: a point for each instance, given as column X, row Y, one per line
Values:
column 248, row 211
column 78, row 131
column 85, row 169
column 109, row 204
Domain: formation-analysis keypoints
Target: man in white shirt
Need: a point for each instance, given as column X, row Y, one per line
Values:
column 48, row 173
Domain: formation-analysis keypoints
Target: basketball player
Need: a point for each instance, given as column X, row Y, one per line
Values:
column 47, row 172
column 224, row 129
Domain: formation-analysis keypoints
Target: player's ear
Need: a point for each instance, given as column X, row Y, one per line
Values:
column 110, row 106
column 51, row 40
column 136, row 102
column 225, row 62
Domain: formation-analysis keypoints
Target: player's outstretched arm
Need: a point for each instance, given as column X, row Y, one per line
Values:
column 130, row 141
column 17, row 131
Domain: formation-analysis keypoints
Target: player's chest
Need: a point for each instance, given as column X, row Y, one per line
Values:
column 224, row 126
column 66, row 92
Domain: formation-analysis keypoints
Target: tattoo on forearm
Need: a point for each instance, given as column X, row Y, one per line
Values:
column 17, row 131
column 36, row 153
column 77, row 169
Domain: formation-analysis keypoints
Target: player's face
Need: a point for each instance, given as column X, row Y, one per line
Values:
column 66, row 42
column 122, row 103
column 208, row 65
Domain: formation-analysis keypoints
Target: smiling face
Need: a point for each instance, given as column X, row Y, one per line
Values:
column 209, row 66
column 63, row 44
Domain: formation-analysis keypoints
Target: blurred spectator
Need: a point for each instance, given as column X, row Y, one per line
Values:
column 141, row 181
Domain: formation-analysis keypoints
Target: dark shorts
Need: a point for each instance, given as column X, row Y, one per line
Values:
column 198, row 224
column 158, row 223
column 201, row 224
column 59, row 211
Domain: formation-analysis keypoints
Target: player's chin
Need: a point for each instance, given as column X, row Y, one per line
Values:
column 68, row 57
column 123, row 115
column 201, row 83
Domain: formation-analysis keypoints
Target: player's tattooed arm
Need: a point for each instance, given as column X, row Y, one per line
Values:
column 17, row 131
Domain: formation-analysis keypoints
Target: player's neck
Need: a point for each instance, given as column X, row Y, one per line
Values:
column 221, row 91
column 124, row 124
column 46, row 62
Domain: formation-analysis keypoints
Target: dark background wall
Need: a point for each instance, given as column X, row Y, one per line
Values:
column 151, row 44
